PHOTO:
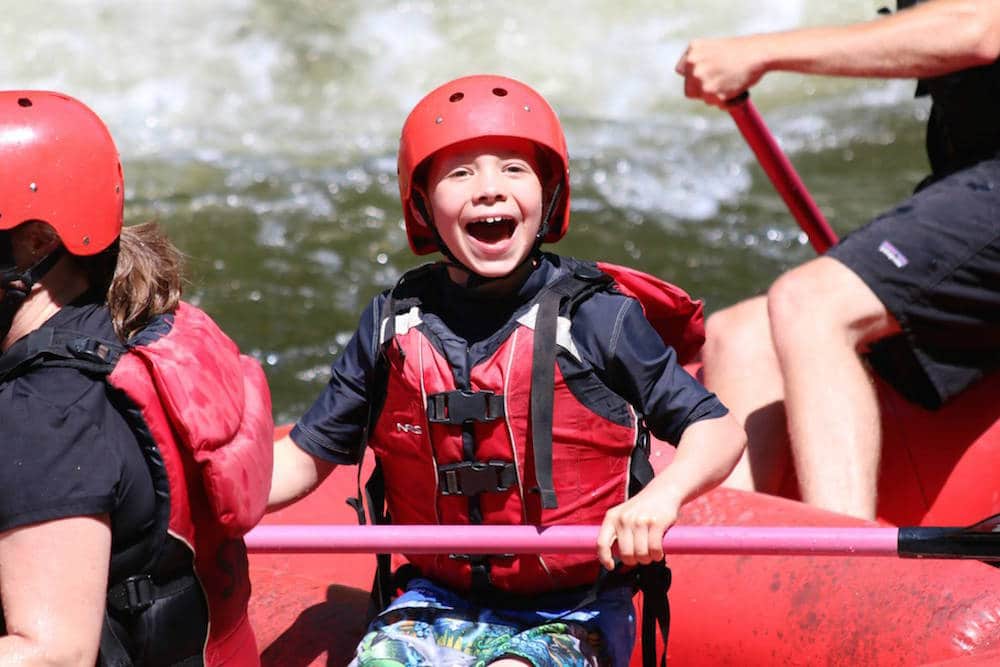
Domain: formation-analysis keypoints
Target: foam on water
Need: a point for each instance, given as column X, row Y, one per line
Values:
column 237, row 82
column 273, row 124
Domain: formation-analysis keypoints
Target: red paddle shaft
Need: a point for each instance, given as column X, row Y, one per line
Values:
column 781, row 173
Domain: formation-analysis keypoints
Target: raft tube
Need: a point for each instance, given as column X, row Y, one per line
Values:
column 309, row 609
column 939, row 468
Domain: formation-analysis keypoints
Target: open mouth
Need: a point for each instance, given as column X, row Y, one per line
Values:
column 491, row 230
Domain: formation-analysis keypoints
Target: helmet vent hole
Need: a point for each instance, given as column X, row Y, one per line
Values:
column 456, row 97
column 500, row 92
column 23, row 102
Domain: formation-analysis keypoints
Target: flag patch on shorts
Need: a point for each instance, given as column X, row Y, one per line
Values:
column 893, row 254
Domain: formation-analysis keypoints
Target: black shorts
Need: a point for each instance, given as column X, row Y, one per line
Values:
column 934, row 261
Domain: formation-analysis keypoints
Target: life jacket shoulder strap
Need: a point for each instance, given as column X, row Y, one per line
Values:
column 563, row 295
column 49, row 347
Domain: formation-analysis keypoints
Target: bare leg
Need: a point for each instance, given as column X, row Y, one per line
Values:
column 822, row 314
column 740, row 366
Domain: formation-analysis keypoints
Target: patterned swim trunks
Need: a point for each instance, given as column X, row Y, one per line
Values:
column 429, row 626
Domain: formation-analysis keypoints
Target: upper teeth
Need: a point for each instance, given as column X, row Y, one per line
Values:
column 492, row 220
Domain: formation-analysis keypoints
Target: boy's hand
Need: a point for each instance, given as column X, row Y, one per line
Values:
column 638, row 526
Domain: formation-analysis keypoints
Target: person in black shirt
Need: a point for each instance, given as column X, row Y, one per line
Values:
column 92, row 477
column 915, row 293
column 443, row 380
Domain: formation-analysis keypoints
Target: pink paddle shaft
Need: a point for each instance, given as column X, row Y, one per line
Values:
column 782, row 174
column 816, row 541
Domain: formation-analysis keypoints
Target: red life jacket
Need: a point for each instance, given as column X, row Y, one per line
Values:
column 202, row 412
column 208, row 409
column 459, row 445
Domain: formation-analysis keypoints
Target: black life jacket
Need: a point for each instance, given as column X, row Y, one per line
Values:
column 964, row 125
column 153, row 579
column 201, row 413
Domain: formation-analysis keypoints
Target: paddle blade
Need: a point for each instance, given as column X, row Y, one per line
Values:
column 980, row 541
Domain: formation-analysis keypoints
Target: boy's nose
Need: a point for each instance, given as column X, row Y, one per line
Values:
column 489, row 189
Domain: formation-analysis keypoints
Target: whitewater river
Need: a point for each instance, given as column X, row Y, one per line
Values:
column 262, row 135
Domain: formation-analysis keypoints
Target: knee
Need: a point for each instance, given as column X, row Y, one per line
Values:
column 804, row 301
column 824, row 301
column 741, row 330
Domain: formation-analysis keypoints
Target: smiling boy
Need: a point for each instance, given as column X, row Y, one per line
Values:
column 507, row 386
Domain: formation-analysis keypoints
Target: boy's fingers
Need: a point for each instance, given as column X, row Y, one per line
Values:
column 626, row 544
column 640, row 542
column 605, row 540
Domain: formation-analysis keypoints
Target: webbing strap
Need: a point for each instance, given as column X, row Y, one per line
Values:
column 585, row 280
column 654, row 582
column 542, row 394
column 111, row 651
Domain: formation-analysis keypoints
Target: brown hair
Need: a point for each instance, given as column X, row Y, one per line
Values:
column 144, row 277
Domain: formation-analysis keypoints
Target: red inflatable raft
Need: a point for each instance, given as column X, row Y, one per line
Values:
column 939, row 469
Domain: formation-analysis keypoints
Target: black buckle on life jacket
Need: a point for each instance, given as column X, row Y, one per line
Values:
column 91, row 349
column 460, row 406
column 133, row 595
column 470, row 478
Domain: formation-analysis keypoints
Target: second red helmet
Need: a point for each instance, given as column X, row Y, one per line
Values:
column 469, row 108
column 58, row 164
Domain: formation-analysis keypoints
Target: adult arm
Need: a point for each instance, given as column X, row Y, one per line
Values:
column 930, row 39
column 53, row 582
column 707, row 452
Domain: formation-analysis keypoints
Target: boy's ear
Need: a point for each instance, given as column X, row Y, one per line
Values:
column 418, row 206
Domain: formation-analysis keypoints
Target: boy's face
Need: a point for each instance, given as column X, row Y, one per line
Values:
column 486, row 201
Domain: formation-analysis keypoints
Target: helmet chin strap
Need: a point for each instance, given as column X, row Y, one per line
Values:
column 476, row 280
column 16, row 286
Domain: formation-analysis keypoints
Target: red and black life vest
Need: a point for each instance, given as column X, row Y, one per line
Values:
column 529, row 435
column 202, row 413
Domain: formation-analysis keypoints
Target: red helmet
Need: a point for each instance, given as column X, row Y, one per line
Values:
column 58, row 164
column 469, row 108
